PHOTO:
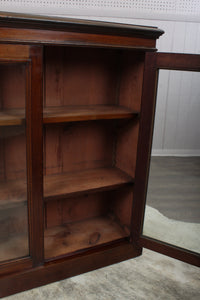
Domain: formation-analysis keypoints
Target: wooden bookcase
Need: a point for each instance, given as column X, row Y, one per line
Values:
column 73, row 113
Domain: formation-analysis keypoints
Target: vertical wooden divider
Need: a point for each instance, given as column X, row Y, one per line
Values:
column 34, row 115
column 144, row 145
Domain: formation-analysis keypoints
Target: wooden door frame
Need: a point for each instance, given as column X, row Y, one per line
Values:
column 32, row 58
column 154, row 62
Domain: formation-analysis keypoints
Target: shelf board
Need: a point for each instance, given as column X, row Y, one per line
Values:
column 62, row 114
column 86, row 113
column 66, row 239
column 12, row 117
column 75, row 183
column 14, row 193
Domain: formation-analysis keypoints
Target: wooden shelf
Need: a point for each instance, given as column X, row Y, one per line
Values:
column 14, row 193
column 64, row 114
column 62, row 240
column 12, row 117
column 75, row 183
column 86, row 113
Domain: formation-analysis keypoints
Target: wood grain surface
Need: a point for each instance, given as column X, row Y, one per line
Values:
column 85, row 113
column 65, row 185
column 13, row 117
column 71, row 237
column 14, row 192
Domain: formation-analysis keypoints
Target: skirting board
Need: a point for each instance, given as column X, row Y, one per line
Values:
column 175, row 152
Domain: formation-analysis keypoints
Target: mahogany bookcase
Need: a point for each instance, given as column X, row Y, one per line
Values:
column 77, row 101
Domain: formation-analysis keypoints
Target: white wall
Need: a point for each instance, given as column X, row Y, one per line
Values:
column 177, row 123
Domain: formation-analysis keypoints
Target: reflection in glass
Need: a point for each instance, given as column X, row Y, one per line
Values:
column 13, row 187
column 173, row 199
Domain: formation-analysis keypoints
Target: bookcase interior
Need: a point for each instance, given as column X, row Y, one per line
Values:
column 91, row 113
column 90, row 155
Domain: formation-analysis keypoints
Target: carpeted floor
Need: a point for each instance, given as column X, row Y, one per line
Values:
column 181, row 234
column 151, row 276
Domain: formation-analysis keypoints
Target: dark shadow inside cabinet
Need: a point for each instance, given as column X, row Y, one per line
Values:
column 92, row 100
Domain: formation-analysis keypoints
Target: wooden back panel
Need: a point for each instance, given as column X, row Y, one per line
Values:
column 80, row 76
column 75, row 147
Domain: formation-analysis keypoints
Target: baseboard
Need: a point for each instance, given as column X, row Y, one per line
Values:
column 176, row 152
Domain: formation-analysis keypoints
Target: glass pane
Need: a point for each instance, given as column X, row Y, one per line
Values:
column 173, row 198
column 13, row 181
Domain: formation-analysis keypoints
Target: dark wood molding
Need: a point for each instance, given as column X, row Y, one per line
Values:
column 35, row 155
column 81, row 39
column 144, row 144
column 170, row 250
column 15, row 266
column 64, row 268
column 77, row 25
column 178, row 61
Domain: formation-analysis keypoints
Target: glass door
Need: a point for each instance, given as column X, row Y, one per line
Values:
column 14, row 241
column 169, row 223
column 18, row 157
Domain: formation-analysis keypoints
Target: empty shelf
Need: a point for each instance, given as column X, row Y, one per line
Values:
column 61, row 240
column 74, row 183
column 14, row 193
column 85, row 113
column 12, row 117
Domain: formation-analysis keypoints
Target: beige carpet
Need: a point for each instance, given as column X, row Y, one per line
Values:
column 182, row 234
